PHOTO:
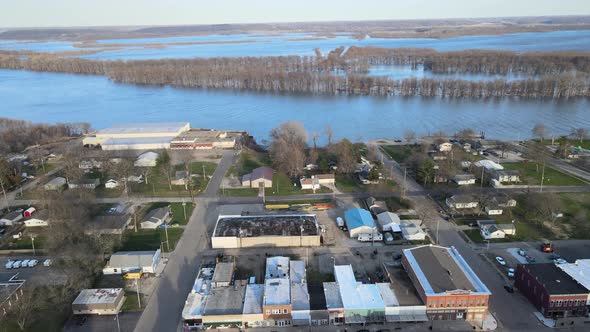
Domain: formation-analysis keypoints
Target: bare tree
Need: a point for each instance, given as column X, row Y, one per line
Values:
column 409, row 135
column 346, row 156
column 24, row 306
column 329, row 134
column 465, row 134
column 164, row 165
column 287, row 147
column 539, row 131
column 124, row 169
column 536, row 151
column 580, row 133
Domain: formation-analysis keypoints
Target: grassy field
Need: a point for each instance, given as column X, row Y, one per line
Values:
column 248, row 161
column 553, row 177
column 150, row 239
column 45, row 321
column 401, row 153
column 131, row 303
column 576, row 210
column 282, row 185
column 585, row 144
column 349, row 183
column 524, row 232
column 158, row 182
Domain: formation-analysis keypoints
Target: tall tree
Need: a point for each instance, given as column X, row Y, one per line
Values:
column 164, row 166
column 409, row 135
column 580, row 133
column 287, row 147
column 539, row 131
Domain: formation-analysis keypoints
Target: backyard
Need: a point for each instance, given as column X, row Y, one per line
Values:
column 150, row 239
column 401, row 153
column 553, row 177
column 158, row 186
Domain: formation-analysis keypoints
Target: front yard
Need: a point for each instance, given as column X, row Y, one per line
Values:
column 553, row 177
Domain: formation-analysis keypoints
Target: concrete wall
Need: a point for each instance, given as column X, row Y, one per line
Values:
column 255, row 183
column 265, row 241
column 253, row 320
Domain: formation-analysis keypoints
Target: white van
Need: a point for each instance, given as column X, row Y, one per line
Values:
column 340, row 223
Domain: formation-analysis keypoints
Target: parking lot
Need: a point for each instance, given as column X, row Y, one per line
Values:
column 37, row 275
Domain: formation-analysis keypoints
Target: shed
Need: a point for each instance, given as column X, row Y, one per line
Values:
column 359, row 221
column 29, row 212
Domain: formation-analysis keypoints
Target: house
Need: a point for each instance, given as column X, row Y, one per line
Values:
column 376, row 207
column 156, row 217
column 130, row 261
column 490, row 232
column 147, row 159
column 89, row 165
column 84, row 183
column 114, row 223
column 359, row 221
column 445, row 147
column 387, row 220
column 446, row 283
column 464, row 179
column 493, row 209
column 181, row 178
column 325, row 179
column 55, row 184
column 459, row 202
column 309, row 183
column 261, row 176
column 488, row 165
column 11, row 218
column 412, row 232
column 103, row 301
column 465, row 164
column 437, row 156
column 553, row 292
column 440, row 178
column 504, row 176
column 111, row 184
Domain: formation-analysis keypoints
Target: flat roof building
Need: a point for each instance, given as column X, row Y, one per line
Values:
column 223, row 275
column 136, row 136
column 282, row 230
column 362, row 302
column 224, row 306
column 102, row 301
column 204, row 139
column 128, row 261
column 192, row 313
column 446, row 283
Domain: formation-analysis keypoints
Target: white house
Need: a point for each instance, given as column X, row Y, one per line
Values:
column 135, row 178
column 462, row 202
column 147, row 159
column 411, row 232
column 309, row 183
column 387, row 220
column 493, row 210
column 36, row 222
column 492, row 231
column 125, row 261
column 180, row 178
column 88, row 165
column 261, row 176
column 111, row 184
column 156, row 217
column 464, row 179
column 509, row 176
column 55, row 184
column 325, row 178
column 85, row 183
column 508, row 229
column 445, row 147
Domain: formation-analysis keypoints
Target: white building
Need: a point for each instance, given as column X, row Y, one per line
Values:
column 147, row 159
column 103, row 301
column 156, row 217
column 580, row 272
column 137, row 136
column 387, row 219
column 412, row 232
column 359, row 221
column 490, row 232
column 445, row 147
column 458, row 202
column 252, row 313
column 55, row 184
column 111, row 184
column 126, row 261
column 489, row 165
column 36, row 222
column 464, row 179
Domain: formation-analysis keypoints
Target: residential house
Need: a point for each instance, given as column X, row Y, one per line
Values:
column 309, row 183
column 156, row 217
column 261, row 176
column 464, row 179
column 111, row 184
column 129, row 261
column 506, row 176
column 84, row 183
column 553, row 292
column 440, row 178
column 114, row 223
column 445, row 147
column 459, row 202
column 376, row 207
column 493, row 209
column 387, row 220
column 89, row 165
column 147, row 159
column 359, row 221
column 325, row 179
column 55, row 184
column 412, row 232
column 135, row 178
column 38, row 220
column 11, row 218
column 508, row 229
column 491, row 232
column 437, row 156
column 446, row 283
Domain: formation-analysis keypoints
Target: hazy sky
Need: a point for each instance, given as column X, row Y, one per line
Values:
column 43, row 13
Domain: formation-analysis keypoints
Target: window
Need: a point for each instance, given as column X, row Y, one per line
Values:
column 285, row 311
column 448, row 303
column 471, row 303
column 558, row 303
column 434, row 303
column 551, row 303
column 442, row 304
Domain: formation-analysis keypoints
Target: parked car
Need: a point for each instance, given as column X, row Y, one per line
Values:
column 559, row 261
column 24, row 263
column 521, row 252
column 16, row 265
column 547, row 247
column 33, row 263
column 510, row 273
column 500, row 261
column 509, row 288
column 8, row 264
column 47, row 262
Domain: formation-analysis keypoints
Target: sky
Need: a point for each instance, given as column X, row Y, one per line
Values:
column 63, row 13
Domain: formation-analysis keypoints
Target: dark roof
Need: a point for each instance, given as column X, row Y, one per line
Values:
column 157, row 214
column 262, row 173
column 317, row 298
column 555, row 280
column 440, row 269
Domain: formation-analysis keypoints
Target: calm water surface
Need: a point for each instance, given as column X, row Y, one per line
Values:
column 50, row 97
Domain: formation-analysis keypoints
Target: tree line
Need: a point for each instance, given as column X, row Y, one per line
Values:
column 335, row 73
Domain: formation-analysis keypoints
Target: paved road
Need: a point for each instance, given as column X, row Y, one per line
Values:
column 163, row 312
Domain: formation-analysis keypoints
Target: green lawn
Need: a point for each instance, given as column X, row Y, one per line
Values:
column 248, row 161
column 553, row 177
column 395, row 203
column 524, row 232
column 585, row 144
column 576, row 211
column 306, row 201
column 349, row 183
column 158, row 182
column 401, row 153
column 177, row 211
column 282, row 185
column 131, row 303
column 150, row 239
column 102, row 192
column 47, row 320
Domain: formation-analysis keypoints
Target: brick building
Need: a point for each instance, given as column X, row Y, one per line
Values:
column 446, row 284
column 552, row 291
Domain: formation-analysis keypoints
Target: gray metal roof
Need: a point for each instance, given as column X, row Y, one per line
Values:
column 157, row 214
column 143, row 128
column 226, row 300
column 125, row 259
column 223, row 272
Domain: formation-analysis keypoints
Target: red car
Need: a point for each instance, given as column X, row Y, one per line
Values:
column 547, row 247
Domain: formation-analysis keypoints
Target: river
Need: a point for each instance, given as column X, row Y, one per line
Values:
column 51, row 97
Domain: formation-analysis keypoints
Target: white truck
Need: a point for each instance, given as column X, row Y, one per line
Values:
column 368, row 237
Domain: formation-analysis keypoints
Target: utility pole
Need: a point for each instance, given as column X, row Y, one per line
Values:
column 167, row 241
column 33, row 244
column 117, row 319
column 204, row 175
column 482, row 168
column 138, row 296
column 184, row 208
column 437, row 224
column 542, row 176
column 405, row 174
